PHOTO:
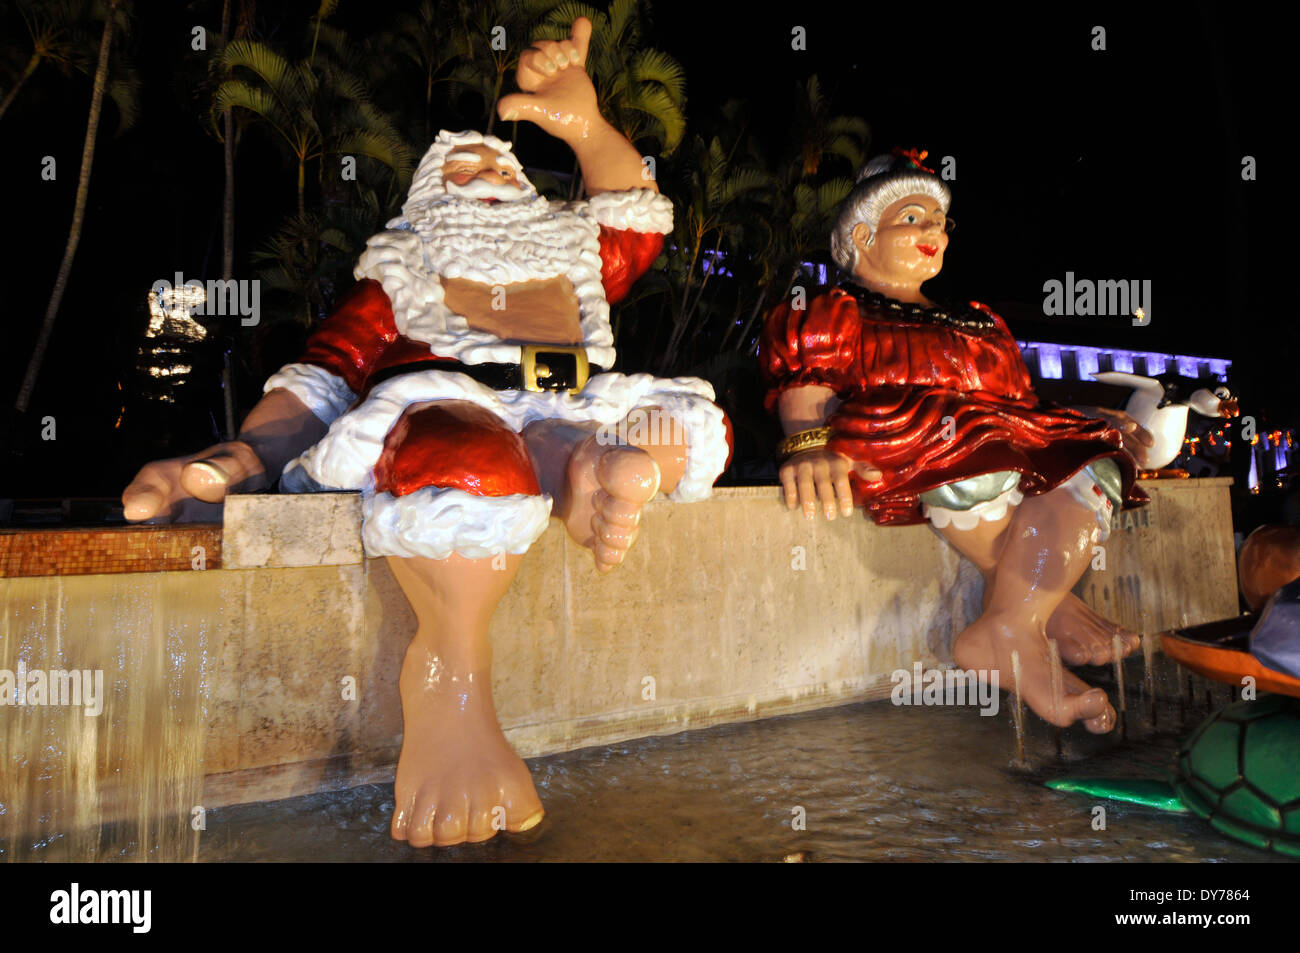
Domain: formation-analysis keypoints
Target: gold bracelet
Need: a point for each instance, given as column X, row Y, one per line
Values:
column 803, row 440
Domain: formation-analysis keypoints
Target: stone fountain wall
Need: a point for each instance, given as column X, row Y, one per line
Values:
column 727, row 610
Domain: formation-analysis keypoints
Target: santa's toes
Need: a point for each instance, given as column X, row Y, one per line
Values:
column 419, row 825
column 628, row 479
column 529, row 822
column 451, row 823
column 628, row 475
column 403, row 812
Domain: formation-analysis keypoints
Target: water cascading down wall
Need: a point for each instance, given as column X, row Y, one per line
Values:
column 258, row 660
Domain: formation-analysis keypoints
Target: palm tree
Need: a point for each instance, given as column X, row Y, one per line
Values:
column 315, row 108
column 435, row 40
column 483, row 65
column 714, row 195
column 115, row 16
column 308, row 257
column 641, row 91
column 818, row 135
column 56, row 36
column 807, row 203
column 811, row 218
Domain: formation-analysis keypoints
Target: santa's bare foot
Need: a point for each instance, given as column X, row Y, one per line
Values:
column 607, row 488
column 986, row 646
column 1085, row 637
column 458, row 779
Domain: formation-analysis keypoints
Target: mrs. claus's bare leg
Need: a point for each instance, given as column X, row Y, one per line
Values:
column 1047, row 547
column 1084, row 636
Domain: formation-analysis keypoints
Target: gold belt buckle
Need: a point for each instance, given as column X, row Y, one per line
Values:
column 534, row 371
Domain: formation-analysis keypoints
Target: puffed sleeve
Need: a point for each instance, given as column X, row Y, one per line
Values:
column 350, row 341
column 818, row 344
column 633, row 223
column 624, row 257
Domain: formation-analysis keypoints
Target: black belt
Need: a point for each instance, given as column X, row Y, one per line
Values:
column 542, row 368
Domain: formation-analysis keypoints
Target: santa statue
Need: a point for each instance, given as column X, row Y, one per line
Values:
column 921, row 411
column 462, row 387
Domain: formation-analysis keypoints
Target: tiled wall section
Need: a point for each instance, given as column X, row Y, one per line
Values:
column 737, row 608
column 117, row 549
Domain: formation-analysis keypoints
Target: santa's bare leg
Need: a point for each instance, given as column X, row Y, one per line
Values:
column 458, row 779
column 600, row 478
column 1084, row 636
column 1046, row 548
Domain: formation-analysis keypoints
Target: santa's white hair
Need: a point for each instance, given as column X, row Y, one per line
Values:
column 428, row 184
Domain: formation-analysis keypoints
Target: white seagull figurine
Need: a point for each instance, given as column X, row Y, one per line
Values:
column 1158, row 405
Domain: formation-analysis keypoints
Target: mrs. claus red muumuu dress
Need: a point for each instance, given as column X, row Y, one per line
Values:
column 900, row 370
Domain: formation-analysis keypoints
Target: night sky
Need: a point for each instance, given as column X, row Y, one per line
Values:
column 1122, row 164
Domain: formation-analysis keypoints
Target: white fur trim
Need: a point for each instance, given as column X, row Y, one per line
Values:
column 641, row 210
column 325, row 393
column 345, row 457
column 990, row 510
column 435, row 522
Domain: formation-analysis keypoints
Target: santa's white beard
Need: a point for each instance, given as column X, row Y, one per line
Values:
column 514, row 240
column 486, row 189
column 494, row 244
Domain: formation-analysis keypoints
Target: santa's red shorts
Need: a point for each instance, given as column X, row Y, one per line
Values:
column 454, row 444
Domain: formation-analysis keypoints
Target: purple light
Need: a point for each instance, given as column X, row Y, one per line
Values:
column 1049, row 362
column 1088, row 362
column 1188, row 366
column 1156, row 363
column 1219, row 369
column 1124, row 361
column 1252, row 479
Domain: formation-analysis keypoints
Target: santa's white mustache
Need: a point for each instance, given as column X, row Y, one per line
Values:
column 483, row 189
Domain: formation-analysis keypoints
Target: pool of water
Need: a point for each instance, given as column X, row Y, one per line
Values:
column 874, row 781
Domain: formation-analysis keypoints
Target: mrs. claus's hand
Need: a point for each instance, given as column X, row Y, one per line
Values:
column 558, row 95
column 822, row 476
column 1136, row 437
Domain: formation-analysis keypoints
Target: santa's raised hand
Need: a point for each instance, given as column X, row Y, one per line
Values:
column 558, row 95
column 557, row 92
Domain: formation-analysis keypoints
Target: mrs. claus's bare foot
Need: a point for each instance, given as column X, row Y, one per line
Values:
column 607, row 487
column 1086, row 637
column 458, row 779
column 987, row 644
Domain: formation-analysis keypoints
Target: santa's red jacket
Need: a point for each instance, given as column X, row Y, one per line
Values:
column 902, row 372
column 360, row 337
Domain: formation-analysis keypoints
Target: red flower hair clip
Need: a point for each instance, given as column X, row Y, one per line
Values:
column 914, row 157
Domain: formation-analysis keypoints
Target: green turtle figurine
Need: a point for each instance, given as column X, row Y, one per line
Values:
column 1238, row 769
